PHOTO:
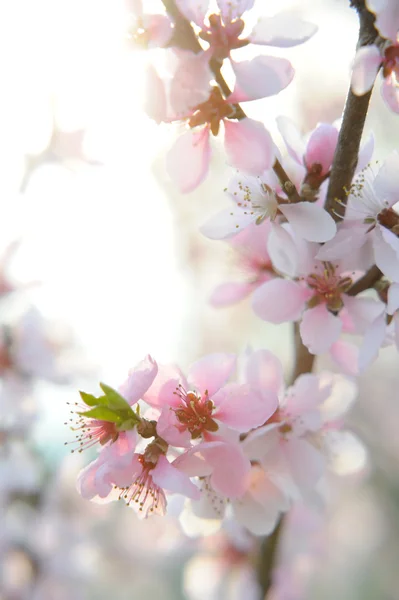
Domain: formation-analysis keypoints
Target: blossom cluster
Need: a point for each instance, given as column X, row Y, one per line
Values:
column 229, row 436
column 245, row 445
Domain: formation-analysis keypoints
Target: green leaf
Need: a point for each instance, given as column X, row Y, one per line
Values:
column 91, row 400
column 103, row 413
column 114, row 400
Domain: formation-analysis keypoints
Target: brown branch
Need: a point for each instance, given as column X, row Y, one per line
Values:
column 356, row 107
column 367, row 281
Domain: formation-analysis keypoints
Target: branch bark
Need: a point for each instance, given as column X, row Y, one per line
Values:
column 356, row 107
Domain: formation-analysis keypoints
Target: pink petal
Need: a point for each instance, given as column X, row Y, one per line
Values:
column 263, row 370
column 365, row 68
column 193, row 11
column 365, row 153
column 393, row 298
column 190, row 85
column 396, row 329
column 321, row 147
column 139, row 380
column 344, row 242
column 346, row 355
column 362, row 311
column 306, row 394
column 242, row 408
column 159, row 28
column 227, row 223
column 280, row 300
column 187, row 162
column 310, row 221
column 233, row 10
column 155, row 104
column 168, row 429
column 283, row 251
column 230, row 293
column 230, row 468
column 307, row 464
column 261, row 77
column 168, row 477
column 319, row 329
column 386, row 183
column 249, row 146
column 87, row 483
column 386, row 252
column 292, row 138
column 161, row 392
column 387, row 13
column 283, row 30
column 372, row 342
column 211, row 372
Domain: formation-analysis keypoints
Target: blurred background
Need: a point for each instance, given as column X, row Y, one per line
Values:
column 101, row 262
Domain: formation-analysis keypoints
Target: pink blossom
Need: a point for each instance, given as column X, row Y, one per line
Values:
column 148, row 30
column 204, row 404
column 254, row 201
column 294, row 446
column 140, row 378
column 316, row 296
column 367, row 63
column 387, row 17
column 253, row 260
column 383, row 330
column 370, row 218
column 247, row 143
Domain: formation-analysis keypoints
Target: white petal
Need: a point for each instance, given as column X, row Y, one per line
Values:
column 310, row 221
column 283, row 30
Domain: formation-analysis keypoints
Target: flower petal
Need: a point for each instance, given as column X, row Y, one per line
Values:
column 139, row 380
column 292, row 138
column 168, row 477
column 242, row 408
column 190, row 85
column 227, row 223
column 321, row 147
column 230, row 467
column 310, row 221
column 386, row 183
column 386, row 252
column 365, row 68
column 261, row 77
column 249, row 146
column 387, row 17
column 193, row 11
column 346, row 355
column 393, row 298
column 372, row 342
column 280, row 300
column 319, row 329
column 283, row 30
column 155, row 104
column 211, row 372
column 187, row 162
column 263, row 370
column 227, row 294
column 231, row 11
column 161, row 392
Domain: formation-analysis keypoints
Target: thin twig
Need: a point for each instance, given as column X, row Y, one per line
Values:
column 356, row 107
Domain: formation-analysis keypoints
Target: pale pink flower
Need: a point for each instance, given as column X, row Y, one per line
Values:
column 370, row 218
column 295, row 446
column 254, row 201
column 315, row 294
column 247, row 143
column 264, row 75
column 148, row 30
column 253, row 261
column 387, row 17
column 224, row 471
column 383, row 330
column 204, row 404
column 367, row 63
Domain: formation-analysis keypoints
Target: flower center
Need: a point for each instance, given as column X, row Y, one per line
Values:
column 211, row 112
column 92, row 431
column 223, row 37
column 146, row 495
column 195, row 412
column 391, row 63
column 264, row 204
column 328, row 287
